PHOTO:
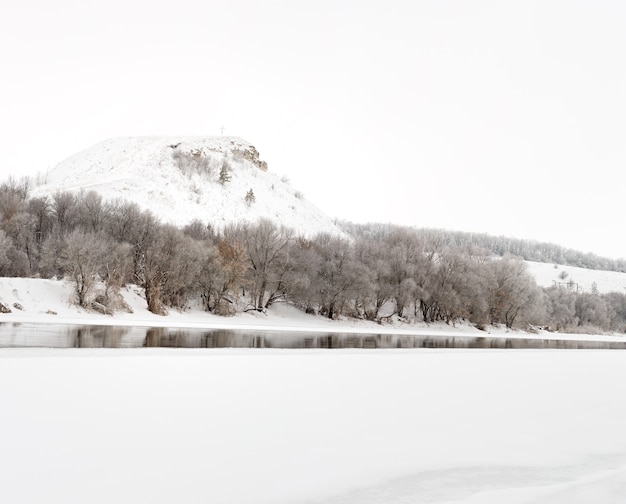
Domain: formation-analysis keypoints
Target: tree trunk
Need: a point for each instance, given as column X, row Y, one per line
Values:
column 153, row 298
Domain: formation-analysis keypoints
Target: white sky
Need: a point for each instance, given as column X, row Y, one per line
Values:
column 506, row 117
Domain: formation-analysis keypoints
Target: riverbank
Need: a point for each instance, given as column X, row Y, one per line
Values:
column 46, row 301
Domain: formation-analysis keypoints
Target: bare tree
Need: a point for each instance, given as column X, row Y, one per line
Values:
column 338, row 276
column 305, row 259
column 181, row 281
column 5, row 247
column 592, row 311
column 64, row 211
column 91, row 211
column 234, row 264
column 267, row 248
column 200, row 231
column 376, row 289
column 405, row 255
column 168, row 266
column 211, row 280
column 81, row 259
column 561, row 308
column 41, row 210
column 512, row 292
column 117, row 270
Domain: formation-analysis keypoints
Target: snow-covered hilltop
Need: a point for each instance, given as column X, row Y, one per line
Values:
column 184, row 178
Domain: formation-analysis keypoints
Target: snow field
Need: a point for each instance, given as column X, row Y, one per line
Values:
column 546, row 275
column 269, row 426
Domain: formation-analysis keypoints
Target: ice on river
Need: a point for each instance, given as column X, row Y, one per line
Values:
column 312, row 426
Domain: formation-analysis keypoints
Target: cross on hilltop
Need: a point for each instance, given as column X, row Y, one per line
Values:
column 222, row 130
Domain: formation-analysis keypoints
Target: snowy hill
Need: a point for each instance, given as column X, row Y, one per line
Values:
column 577, row 279
column 178, row 180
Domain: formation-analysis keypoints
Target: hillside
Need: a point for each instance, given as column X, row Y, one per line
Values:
column 529, row 250
column 178, row 180
column 385, row 271
column 577, row 279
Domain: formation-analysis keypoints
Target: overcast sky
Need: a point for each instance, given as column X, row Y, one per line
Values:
column 505, row 117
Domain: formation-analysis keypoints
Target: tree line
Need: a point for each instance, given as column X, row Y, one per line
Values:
column 102, row 246
column 529, row 250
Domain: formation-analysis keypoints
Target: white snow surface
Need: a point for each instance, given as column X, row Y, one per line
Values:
column 314, row 427
column 143, row 170
column 302, row 427
column 51, row 301
column 547, row 274
column 292, row 426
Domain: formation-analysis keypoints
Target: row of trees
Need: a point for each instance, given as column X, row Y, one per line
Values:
column 102, row 246
column 529, row 250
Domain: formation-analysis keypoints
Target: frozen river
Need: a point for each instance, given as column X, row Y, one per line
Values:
column 306, row 426
column 29, row 335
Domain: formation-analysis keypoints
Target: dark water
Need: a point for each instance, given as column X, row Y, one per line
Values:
column 86, row 336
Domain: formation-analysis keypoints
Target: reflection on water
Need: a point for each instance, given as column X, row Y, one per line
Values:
column 76, row 336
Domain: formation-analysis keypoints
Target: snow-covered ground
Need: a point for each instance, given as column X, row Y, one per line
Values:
column 144, row 170
column 315, row 427
column 51, row 302
column 547, row 274
column 302, row 427
column 290, row 426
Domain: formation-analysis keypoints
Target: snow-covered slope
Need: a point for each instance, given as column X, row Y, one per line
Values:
column 577, row 279
column 177, row 179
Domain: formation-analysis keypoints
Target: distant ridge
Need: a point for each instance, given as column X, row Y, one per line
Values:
column 180, row 179
column 529, row 250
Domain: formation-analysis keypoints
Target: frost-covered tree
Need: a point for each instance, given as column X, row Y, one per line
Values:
column 513, row 291
column 90, row 212
column 432, row 275
column 181, row 281
column 305, row 262
column 407, row 258
column 24, row 252
column 5, row 247
column 41, row 211
column 223, row 272
column 267, row 247
column 64, row 211
column 168, row 264
column 81, row 259
column 125, row 222
column 211, row 279
column 200, row 231
column 117, row 269
column 561, row 307
column 440, row 299
column 378, row 285
column 339, row 275
column 592, row 311
column 616, row 305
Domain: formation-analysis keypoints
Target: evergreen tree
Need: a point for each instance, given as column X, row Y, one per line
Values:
column 250, row 197
column 225, row 175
